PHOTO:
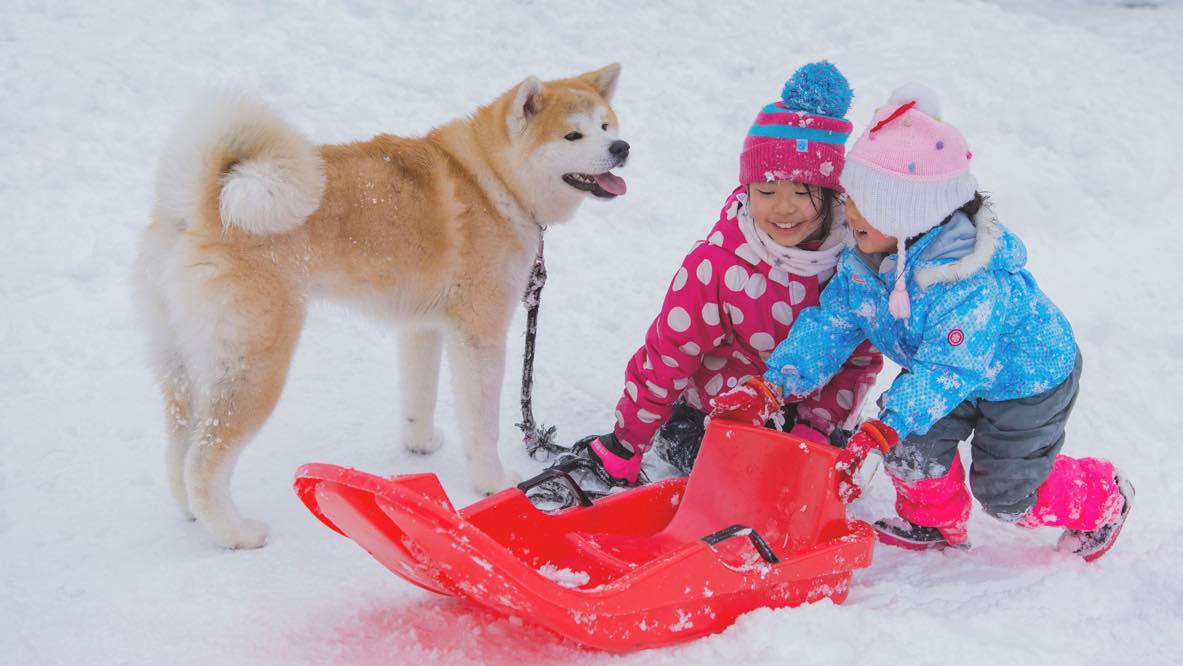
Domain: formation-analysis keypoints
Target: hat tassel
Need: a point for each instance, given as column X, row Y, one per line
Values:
column 899, row 304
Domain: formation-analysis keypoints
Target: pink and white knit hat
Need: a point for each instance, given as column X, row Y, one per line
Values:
column 907, row 173
column 801, row 137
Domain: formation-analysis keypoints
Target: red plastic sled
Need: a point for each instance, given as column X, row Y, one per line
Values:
column 638, row 569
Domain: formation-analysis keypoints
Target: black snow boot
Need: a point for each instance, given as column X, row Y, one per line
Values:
column 904, row 534
column 678, row 441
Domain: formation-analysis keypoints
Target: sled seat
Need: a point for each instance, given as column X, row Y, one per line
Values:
column 643, row 568
column 780, row 486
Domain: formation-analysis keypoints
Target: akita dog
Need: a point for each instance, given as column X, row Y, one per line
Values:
column 252, row 221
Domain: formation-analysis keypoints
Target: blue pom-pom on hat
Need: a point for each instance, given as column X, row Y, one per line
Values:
column 801, row 137
column 818, row 88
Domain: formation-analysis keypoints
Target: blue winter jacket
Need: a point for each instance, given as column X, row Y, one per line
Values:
column 980, row 327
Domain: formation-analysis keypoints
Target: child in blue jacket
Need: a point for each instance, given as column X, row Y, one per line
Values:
column 939, row 286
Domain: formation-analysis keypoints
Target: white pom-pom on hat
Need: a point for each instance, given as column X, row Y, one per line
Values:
column 926, row 99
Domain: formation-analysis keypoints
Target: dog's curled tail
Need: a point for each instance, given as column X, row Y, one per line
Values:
column 235, row 160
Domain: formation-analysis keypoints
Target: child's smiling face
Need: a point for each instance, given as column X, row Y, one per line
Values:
column 868, row 238
column 786, row 211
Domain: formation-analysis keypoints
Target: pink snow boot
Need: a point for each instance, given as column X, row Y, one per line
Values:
column 611, row 456
column 934, row 512
column 594, row 467
column 1088, row 497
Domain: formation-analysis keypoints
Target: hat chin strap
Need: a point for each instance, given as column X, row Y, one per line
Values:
column 899, row 304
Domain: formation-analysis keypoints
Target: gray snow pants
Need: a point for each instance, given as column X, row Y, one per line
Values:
column 1014, row 445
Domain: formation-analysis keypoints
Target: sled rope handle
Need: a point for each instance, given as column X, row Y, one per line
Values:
column 758, row 541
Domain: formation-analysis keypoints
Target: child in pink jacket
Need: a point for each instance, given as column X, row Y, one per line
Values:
column 736, row 295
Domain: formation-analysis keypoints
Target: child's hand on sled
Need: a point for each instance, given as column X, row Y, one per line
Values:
column 755, row 402
column 873, row 435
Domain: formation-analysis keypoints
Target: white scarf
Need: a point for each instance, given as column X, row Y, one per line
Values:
column 794, row 259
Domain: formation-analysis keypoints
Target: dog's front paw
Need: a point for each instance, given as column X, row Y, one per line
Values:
column 418, row 444
column 245, row 534
column 488, row 482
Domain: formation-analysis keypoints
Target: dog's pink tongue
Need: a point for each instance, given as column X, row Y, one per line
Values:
column 611, row 183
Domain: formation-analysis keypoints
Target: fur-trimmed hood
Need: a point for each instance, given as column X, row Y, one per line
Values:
column 962, row 247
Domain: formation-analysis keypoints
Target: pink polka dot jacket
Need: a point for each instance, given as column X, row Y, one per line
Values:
column 723, row 314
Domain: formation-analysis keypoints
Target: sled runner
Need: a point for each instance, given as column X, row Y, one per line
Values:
column 759, row 523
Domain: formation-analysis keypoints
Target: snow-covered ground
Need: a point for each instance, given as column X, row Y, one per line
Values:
column 1071, row 108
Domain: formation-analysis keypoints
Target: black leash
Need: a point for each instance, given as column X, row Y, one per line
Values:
column 539, row 440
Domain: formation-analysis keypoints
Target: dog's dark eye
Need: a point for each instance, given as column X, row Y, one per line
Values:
column 604, row 127
column 573, row 136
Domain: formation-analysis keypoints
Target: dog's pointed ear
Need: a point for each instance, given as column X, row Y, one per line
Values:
column 527, row 103
column 604, row 80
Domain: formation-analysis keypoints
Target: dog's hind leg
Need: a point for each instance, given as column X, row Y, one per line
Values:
column 178, row 416
column 419, row 361
column 169, row 367
column 228, row 414
column 478, row 366
column 175, row 387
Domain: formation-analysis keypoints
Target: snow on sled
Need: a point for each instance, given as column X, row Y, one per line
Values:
column 759, row 523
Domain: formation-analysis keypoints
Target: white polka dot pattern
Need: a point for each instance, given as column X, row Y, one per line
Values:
column 734, row 314
column 756, row 286
column 762, row 341
column 679, row 320
column 823, row 414
column 746, row 253
column 796, row 292
column 782, row 312
column 735, row 278
column 710, row 314
column 845, row 398
column 680, row 279
column 703, row 272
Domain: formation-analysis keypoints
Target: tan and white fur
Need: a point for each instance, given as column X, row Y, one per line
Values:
column 252, row 222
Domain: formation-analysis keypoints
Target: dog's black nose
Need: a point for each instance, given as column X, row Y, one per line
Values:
column 619, row 149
